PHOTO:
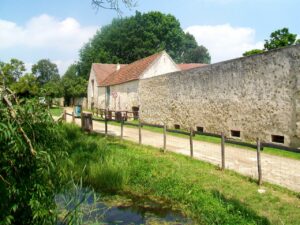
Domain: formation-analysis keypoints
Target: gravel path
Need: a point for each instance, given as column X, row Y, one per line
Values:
column 275, row 169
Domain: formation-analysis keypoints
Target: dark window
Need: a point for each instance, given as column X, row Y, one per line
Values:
column 200, row 129
column 278, row 139
column 235, row 133
column 177, row 126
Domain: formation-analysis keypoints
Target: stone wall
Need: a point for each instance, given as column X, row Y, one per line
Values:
column 257, row 95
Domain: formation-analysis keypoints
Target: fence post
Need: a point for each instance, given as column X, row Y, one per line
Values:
column 105, row 120
column 191, row 142
column 122, row 127
column 223, row 150
column 165, row 137
column 73, row 117
column 65, row 115
column 140, row 131
column 259, row 162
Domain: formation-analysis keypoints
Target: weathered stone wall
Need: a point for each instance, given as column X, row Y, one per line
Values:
column 257, row 95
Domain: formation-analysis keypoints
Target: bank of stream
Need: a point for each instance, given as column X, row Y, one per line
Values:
column 84, row 206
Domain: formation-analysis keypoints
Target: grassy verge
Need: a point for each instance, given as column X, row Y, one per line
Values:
column 56, row 111
column 198, row 189
column 216, row 140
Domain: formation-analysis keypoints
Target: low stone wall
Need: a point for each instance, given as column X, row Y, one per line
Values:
column 257, row 96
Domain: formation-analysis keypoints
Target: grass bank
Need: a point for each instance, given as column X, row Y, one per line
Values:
column 198, row 189
column 215, row 140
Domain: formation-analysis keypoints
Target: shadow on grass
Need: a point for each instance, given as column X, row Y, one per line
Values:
column 234, row 206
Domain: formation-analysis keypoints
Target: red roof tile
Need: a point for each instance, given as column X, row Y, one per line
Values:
column 130, row 72
column 189, row 66
column 102, row 71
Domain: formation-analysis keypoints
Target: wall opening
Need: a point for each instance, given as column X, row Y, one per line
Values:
column 135, row 111
column 235, row 133
column 177, row 126
column 200, row 129
column 278, row 139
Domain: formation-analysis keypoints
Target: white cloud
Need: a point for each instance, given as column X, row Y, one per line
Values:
column 224, row 41
column 44, row 33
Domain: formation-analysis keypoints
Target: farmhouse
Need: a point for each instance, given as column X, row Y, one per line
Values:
column 245, row 98
column 115, row 86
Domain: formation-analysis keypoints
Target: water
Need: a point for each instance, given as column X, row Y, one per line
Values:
column 95, row 209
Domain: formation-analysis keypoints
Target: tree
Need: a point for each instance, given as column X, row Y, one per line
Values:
column 279, row 38
column 45, row 71
column 199, row 54
column 73, row 85
column 26, row 86
column 253, row 52
column 12, row 71
column 132, row 38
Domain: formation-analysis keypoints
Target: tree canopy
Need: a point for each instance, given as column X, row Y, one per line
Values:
column 128, row 39
column 11, row 71
column 45, row 71
column 279, row 38
column 73, row 85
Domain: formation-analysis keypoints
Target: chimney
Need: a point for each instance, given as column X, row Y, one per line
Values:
column 118, row 67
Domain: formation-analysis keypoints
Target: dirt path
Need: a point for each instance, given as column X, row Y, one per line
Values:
column 275, row 169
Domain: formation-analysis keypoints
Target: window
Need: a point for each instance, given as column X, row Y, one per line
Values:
column 177, row 126
column 200, row 129
column 235, row 133
column 278, row 139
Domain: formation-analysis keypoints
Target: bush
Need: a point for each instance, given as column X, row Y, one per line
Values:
column 32, row 145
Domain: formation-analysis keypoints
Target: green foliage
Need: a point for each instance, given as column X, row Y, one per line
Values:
column 44, row 70
column 132, row 38
column 30, row 173
column 280, row 38
column 12, row 71
column 26, row 86
column 253, row 52
column 73, row 85
column 199, row 54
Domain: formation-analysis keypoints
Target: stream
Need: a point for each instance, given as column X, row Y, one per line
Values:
column 88, row 207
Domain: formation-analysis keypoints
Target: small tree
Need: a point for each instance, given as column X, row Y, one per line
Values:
column 26, row 86
column 12, row 71
column 73, row 85
column 280, row 38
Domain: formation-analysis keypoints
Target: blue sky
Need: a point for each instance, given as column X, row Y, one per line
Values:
column 56, row 29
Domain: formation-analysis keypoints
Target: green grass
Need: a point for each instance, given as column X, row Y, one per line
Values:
column 215, row 140
column 56, row 111
column 198, row 189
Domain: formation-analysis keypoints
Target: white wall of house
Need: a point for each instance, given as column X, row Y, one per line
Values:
column 164, row 64
column 92, row 92
column 124, row 96
column 101, row 98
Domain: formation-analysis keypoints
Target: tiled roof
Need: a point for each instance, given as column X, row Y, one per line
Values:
column 189, row 66
column 102, row 71
column 130, row 72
